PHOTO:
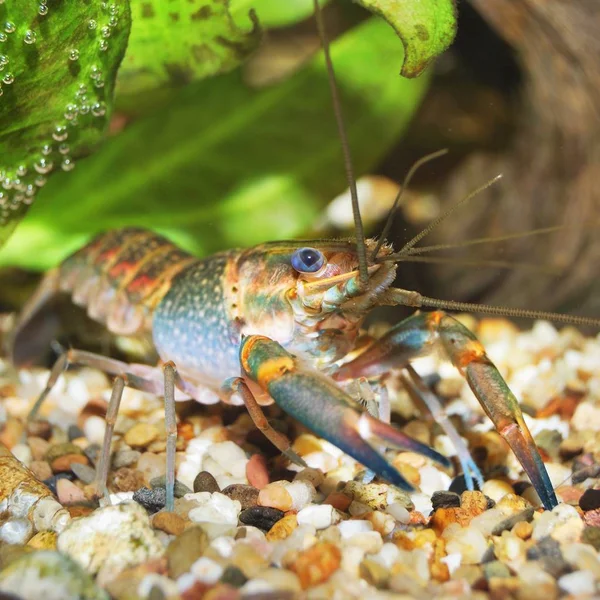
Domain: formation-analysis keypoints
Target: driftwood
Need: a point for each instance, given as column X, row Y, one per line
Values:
column 551, row 165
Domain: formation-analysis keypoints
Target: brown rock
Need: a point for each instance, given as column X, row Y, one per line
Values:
column 205, row 482
column 283, row 528
column 473, row 503
column 38, row 447
column 316, row 564
column 443, row 517
column 439, row 570
column 41, row 469
column 43, row 540
column 57, row 450
column 140, row 435
column 185, row 549
column 170, row 523
column 128, row 480
column 523, row 530
column 63, row 463
column 276, row 496
column 80, row 510
column 256, row 471
column 339, row 501
column 246, row 494
column 11, row 432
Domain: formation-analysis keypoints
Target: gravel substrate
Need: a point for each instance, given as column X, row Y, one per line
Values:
column 249, row 525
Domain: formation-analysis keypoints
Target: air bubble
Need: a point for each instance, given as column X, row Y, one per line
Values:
column 64, row 148
column 71, row 111
column 8, row 78
column 30, row 190
column 40, row 181
column 99, row 109
column 84, row 109
column 103, row 45
column 1, row 91
column 113, row 9
column 60, row 133
column 9, row 27
column 3, row 59
column 7, row 183
column 99, row 83
column 105, row 31
column 73, row 54
column 43, row 166
column 113, row 22
column 30, row 37
column 21, row 170
column 67, row 164
column 95, row 72
column 92, row 24
column 3, row 37
column 46, row 149
column 42, row 10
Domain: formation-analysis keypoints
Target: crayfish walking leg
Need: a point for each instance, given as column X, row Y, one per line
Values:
column 417, row 335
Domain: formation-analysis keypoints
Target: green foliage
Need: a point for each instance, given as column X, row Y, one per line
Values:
column 227, row 165
column 195, row 152
column 426, row 28
column 173, row 43
column 58, row 64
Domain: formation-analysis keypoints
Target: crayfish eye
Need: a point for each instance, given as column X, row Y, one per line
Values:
column 307, row 260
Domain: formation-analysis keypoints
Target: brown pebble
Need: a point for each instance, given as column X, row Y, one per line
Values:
column 339, row 501
column 523, row 530
column 473, row 503
column 283, row 528
column 41, row 429
column 68, row 493
column 96, row 407
column 246, row 494
column 185, row 549
column 170, row 523
column 11, row 432
column 38, row 447
column 316, row 564
column 80, row 510
column 256, row 471
column 57, row 450
column 205, row 482
column 276, row 496
column 140, row 435
column 43, row 540
column 128, row 480
column 41, row 469
column 62, row 464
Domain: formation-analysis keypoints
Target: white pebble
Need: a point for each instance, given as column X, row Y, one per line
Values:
column 422, row 503
column 166, row 585
column 578, row 583
column 470, row 543
column 320, row 516
column 388, row 555
column 586, row 416
column 22, row 453
column 49, row 515
column 433, row 480
column 369, row 541
column 207, row 570
column 399, row 512
column 302, row 492
column 452, row 561
column 217, row 513
column 230, row 457
column 93, row 428
column 16, row 531
column 117, row 498
column 352, row 527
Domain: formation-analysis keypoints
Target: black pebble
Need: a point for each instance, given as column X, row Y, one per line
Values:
column 459, row 485
column 445, row 500
column 262, row 517
column 510, row 522
column 179, row 491
column 74, row 432
column 205, row 482
column 547, row 551
column 151, row 500
column 92, row 452
column 51, row 481
column 233, row 576
column 590, row 500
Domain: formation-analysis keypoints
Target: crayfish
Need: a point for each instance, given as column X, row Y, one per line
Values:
column 279, row 322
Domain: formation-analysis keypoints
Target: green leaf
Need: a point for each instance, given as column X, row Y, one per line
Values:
column 426, row 28
column 59, row 62
column 175, row 42
column 226, row 165
column 275, row 13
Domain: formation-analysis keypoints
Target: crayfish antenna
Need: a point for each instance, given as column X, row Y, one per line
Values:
column 361, row 249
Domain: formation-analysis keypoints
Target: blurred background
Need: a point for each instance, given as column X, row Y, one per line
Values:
column 253, row 154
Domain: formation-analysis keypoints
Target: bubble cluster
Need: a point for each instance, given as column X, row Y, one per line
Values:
column 85, row 104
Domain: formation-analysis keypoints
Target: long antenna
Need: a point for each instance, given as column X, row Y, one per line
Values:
column 410, row 298
column 391, row 214
column 446, row 214
column 361, row 249
column 467, row 262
